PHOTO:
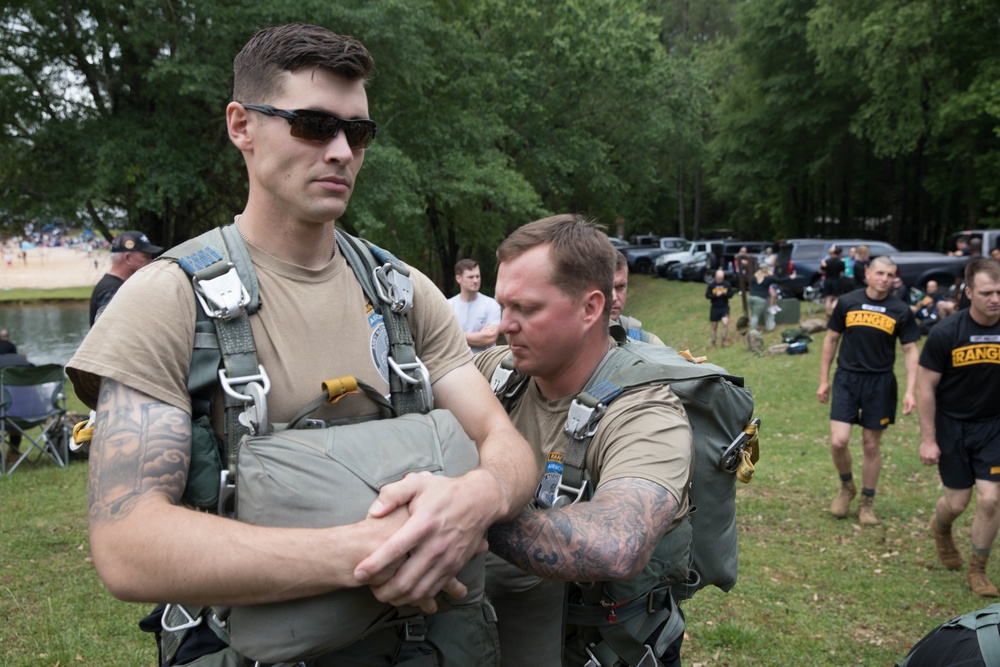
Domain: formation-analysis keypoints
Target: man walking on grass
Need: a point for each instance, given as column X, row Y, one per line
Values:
column 869, row 320
column 958, row 391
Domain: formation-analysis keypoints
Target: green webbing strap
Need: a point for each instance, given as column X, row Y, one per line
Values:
column 205, row 257
column 364, row 259
column 626, row 640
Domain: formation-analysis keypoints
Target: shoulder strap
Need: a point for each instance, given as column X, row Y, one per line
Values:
column 986, row 623
column 386, row 282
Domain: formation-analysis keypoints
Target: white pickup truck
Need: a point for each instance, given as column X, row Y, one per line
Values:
column 666, row 261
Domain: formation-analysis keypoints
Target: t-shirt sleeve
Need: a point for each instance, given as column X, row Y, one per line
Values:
column 143, row 339
column 645, row 435
column 837, row 321
column 909, row 330
column 934, row 356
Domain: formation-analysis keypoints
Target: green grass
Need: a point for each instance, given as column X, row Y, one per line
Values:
column 23, row 294
column 812, row 590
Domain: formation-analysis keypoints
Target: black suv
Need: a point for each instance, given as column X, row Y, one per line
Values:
column 803, row 256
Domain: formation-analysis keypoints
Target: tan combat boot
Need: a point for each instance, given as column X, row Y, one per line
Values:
column 978, row 581
column 946, row 550
column 842, row 502
column 866, row 515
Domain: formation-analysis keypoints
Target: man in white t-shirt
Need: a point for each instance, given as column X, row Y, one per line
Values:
column 478, row 314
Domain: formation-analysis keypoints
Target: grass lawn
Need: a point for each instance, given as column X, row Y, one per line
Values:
column 812, row 590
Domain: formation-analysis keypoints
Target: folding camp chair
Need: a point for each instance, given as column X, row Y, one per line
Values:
column 32, row 398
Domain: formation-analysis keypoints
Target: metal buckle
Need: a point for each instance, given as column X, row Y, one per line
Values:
column 421, row 378
column 730, row 459
column 582, row 420
column 414, row 631
column 573, row 496
column 222, row 296
column 189, row 623
column 649, row 659
column 394, row 287
column 254, row 415
column 227, row 489
column 593, row 662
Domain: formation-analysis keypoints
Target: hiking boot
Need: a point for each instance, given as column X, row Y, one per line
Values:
column 946, row 550
column 842, row 502
column 866, row 514
column 978, row 581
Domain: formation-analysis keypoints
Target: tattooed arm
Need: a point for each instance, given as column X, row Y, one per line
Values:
column 609, row 538
column 148, row 548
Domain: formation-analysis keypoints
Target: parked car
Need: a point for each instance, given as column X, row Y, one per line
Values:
column 618, row 243
column 667, row 260
column 801, row 258
column 696, row 269
column 990, row 239
column 640, row 258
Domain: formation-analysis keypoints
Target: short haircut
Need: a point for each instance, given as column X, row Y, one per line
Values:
column 979, row 265
column 620, row 261
column 463, row 265
column 582, row 256
column 258, row 67
column 882, row 259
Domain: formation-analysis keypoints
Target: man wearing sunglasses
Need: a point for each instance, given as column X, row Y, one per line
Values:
column 300, row 118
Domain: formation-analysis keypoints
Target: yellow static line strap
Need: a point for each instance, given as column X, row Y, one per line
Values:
column 339, row 387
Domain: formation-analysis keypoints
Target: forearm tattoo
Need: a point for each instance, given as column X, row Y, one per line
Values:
column 589, row 541
column 140, row 446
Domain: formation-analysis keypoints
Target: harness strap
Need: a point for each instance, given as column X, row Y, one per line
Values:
column 625, row 640
column 389, row 283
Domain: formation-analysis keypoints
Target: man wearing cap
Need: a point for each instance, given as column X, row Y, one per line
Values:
column 130, row 251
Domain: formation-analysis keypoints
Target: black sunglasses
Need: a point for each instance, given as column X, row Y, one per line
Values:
column 321, row 126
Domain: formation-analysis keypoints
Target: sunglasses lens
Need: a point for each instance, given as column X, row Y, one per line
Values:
column 319, row 126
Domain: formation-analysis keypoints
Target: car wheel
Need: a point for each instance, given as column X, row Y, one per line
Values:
column 642, row 265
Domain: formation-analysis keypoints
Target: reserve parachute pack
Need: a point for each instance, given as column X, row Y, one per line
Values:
column 720, row 410
column 951, row 642
column 306, row 473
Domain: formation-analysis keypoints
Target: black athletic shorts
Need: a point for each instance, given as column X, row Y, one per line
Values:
column 969, row 451
column 717, row 313
column 871, row 394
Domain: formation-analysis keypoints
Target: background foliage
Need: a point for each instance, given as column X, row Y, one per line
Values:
column 785, row 118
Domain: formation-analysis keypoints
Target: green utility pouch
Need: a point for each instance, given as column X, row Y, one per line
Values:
column 202, row 489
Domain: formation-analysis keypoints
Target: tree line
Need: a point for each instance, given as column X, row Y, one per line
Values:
column 877, row 118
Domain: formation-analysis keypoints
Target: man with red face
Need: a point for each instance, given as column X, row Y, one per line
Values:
column 554, row 284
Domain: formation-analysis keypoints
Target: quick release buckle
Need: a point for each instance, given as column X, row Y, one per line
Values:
column 188, row 622
column 220, row 291
column 394, row 286
column 254, row 415
column 582, row 420
column 420, row 379
column 566, row 495
column 414, row 631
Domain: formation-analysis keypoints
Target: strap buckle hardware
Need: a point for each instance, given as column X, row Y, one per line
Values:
column 394, row 287
column 188, row 622
column 227, row 489
column 222, row 295
column 582, row 420
column 254, row 415
column 566, row 495
column 593, row 662
column 420, row 379
column 414, row 631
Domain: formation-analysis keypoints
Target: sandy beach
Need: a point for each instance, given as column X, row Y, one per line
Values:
column 47, row 268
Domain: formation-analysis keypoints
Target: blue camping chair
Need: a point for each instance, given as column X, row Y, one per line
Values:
column 31, row 397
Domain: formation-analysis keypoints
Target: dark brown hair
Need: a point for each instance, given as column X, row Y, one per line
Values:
column 463, row 265
column 291, row 48
column 582, row 257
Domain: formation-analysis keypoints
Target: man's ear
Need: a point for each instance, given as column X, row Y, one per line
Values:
column 238, row 126
column 593, row 307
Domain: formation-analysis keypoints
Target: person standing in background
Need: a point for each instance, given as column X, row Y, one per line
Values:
column 478, row 314
column 130, row 251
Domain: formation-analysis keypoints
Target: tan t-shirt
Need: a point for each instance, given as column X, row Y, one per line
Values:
column 313, row 325
column 645, row 433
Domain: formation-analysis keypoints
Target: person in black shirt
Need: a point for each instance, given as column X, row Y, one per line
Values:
column 762, row 293
column 833, row 268
column 869, row 320
column 6, row 347
column 958, row 391
column 719, row 292
column 130, row 251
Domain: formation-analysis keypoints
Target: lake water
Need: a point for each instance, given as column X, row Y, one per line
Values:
column 46, row 333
